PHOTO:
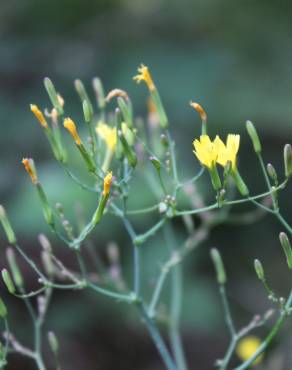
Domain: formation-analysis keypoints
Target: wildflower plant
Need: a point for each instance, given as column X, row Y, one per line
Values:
column 120, row 147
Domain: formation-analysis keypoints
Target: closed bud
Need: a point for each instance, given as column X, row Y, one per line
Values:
column 272, row 172
column 99, row 91
column 241, row 185
column 47, row 210
column 87, row 111
column 259, row 269
column 47, row 263
column 53, row 342
column 288, row 160
column 156, row 163
column 129, row 152
column 126, row 109
column 219, row 266
column 16, row 274
column 287, row 248
column 44, row 242
column 53, row 95
column 7, row 226
column 83, row 94
column 254, row 136
column 8, row 281
column 3, row 309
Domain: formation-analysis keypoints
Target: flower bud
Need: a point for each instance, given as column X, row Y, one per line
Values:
column 44, row 242
column 3, row 309
column 16, row 274
column 39, row 115
column 7, row 226
column 53, row 342
column 219, row 266
column 241, row 186
column 126, row 109
column 47, row 263
column 287, row 248
column 129, row 152
column 202, row 114
column 8, row 281
column 87, row 111
column 288, row 160
column 272, row 172
column 83, row 95
column 47, row 210
column 156, row 163
column 254, row 136
column 259, row 269
column 98, row 88
column 53, row 95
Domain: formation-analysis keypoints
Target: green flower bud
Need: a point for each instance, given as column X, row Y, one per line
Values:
column 83, row 95
column 287, row 248
column 254, row 136
column 87, row 111
column 259, row 269
column 129, row 152
column 8, row 281
column 216, row 182
column 99, row 91
column 47, row 210
column 3, row 309
column 272, row 172
column 53, row 342
column 241, row 186
column 126, row 109
column 219, row 266
column 288, row 160
column 53, row 95
column 16, row 274
column 156, row 163
column 7, row 226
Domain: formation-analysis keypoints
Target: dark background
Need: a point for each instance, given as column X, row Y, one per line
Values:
column 234, row 57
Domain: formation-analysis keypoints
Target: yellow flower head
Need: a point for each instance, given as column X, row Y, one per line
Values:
column 229, row 151
column 39, row 115
column 247, row 347
column 107, row 184
column 205, row 151
column 29, row 167
column 71, row 127
column 144, row 75
column 108, row 134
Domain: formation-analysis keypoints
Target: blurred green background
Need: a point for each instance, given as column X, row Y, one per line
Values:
column 233, row 57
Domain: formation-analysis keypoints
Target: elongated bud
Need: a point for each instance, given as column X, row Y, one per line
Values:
column 7, row 226
column 272, row 172
column 47, row 210
column 287, row 248
column 156, row 163
column 215, row 178
column 83, row 94
column 87, row 112
column 47, row 263
column 259, row 269
column 129, row 152
column 126, row 109
column 53, row 95
column 128, row 133
column 241, row 186
column 45, row 243
column 254, row 136
column 219, row 266
column 30, row 169
column 202, row 114
column 3, row 309
column 107, row 184
column 8, row 281
column 53, row 342
column 39, row 115
column 99, row 91
column 16, row 274
column 71, row 127
column 288, row 160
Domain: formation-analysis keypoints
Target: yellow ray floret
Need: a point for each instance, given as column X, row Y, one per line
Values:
column 108, row 134
column 39, row 115
column 107, row 184
column 71, row 127
column 144, row 75
column 229, row 151
column 205, row 151
column 247, row 347
column 28, row 165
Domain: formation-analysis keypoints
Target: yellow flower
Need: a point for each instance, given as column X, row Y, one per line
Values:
column 107, row 184
column 229, row 151
column 108, row 134
column 144, row 75
column 71, row 127
column 29, row 167
column 247, row 347
column 39, row 115
column 205, row 151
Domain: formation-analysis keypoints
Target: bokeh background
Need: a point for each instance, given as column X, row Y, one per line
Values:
column 234, row 57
